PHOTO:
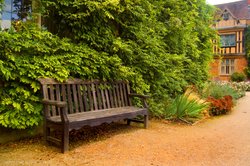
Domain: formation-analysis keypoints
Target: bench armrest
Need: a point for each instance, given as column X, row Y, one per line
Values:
column 143, row 98
column 62, row 107
column 138, row 95
column 54, row 103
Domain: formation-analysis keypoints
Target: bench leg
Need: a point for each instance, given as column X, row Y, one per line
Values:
column 128, row 121
column 145, row 121
column 65, row 140
column 46, row 131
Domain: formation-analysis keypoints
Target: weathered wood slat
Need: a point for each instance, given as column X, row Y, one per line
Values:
column 103, row 99
column 64, row 95
column 129, row 100
column 107, row 98
column 46, row 81
column 75, row 103
column 121, row 94
column 58, row 93
column 58, row 97
column 79, row 93
column 125, row 93
column 100, row 114
column 112, row 103
column 52, row 97
column 118, row 95
column 68, row 81
column 114, row 95
column 54, row 140
column 135, row 120
column 45, row 91
column 85, row 103
column 90, row 98
column 69, row 96
column 99, row 102
column 93, row 88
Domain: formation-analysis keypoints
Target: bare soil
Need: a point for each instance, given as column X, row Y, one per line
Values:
column 223, row 140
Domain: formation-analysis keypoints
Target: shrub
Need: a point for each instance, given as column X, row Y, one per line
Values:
column 220, row 106
column 247, row 85
column 238, row 77
column 218, row 90
column 247, row 71
column 185, row 109
column 240, row 87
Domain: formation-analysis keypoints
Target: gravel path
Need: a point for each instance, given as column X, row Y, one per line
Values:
column 218, row 141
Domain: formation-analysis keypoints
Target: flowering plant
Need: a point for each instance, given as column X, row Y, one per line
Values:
column 220, row 106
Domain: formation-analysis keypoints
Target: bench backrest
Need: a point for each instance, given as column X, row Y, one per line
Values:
column 83, row 96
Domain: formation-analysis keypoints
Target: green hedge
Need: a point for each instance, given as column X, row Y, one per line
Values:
column 31, row 53
column 159, row 46
column 167, row 42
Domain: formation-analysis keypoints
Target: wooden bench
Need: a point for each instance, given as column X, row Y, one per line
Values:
column 76, row 103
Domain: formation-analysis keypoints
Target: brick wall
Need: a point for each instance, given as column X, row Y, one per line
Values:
column 240, row 65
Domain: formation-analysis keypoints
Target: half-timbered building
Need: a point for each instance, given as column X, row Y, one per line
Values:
column 231, row 24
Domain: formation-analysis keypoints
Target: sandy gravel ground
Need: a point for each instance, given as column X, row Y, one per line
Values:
column 218, row 141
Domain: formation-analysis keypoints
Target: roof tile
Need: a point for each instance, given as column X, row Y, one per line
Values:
column 239, row 9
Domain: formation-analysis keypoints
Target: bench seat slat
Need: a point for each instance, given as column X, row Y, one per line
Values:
column 76, row 117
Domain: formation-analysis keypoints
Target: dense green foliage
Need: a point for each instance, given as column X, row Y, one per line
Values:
column 185, row 109
column 29, row 54
column 237, row 77
column 159, row 46
column 167, row 42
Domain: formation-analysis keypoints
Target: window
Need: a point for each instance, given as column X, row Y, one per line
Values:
column 225, row 16
column 14, row 10
column 227, row 66
column 228, row 40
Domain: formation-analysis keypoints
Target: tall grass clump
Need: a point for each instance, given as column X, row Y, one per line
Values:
column 185, row 109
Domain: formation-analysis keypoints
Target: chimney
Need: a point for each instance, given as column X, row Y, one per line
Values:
column 248, row 2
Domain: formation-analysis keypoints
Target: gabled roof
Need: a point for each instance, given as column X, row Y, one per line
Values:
column 238, row 9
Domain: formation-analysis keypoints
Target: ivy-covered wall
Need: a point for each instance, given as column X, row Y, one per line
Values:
column 159, row 46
